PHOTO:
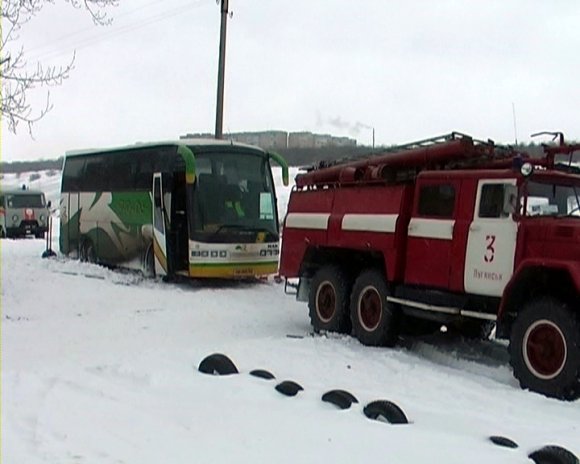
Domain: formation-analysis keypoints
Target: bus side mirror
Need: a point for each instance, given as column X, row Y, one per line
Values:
column 283, row 164
column 49, row 204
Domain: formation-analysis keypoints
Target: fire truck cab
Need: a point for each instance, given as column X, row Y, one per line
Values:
column 446, row 231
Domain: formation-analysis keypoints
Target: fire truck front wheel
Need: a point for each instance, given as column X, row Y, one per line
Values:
column 328, row 300
column 545, row 349
column 375, row 322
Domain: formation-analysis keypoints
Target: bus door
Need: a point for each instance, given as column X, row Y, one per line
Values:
column 159, row 226
column 70, row 215
column 2, row 217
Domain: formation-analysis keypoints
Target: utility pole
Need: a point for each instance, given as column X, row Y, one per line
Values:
column 219, row 118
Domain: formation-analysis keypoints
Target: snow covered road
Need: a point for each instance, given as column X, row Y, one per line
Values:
column 101, row 367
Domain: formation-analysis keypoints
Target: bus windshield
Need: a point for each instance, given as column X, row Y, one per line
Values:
column 549, row 199
column 25, row 201
column 234, row 199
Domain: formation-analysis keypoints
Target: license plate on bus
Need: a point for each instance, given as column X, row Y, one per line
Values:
column 243, row 271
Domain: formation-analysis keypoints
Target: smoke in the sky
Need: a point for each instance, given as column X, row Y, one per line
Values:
column 352, row 128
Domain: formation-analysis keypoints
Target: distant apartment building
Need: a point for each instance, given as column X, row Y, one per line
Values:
column 300, row 140
column 275, row 139
column 267, row 139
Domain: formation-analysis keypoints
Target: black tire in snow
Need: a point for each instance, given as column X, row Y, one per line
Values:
column 553, row 454
column 340, row 398
column 328, row 300
column 263, row 374
column 217, row 364
column 383, row 410
column 545, row 349
column 288, row 388
column 375, row 321
column 503, row 441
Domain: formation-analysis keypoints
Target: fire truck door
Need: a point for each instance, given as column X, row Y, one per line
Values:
column 430, row 234
column 491, row 242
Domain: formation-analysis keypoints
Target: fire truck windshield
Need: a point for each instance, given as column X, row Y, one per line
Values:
column 550, row 199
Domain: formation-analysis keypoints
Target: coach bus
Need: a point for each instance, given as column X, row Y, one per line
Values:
column 196, row 208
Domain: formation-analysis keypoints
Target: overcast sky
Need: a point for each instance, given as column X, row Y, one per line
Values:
column 410, row 69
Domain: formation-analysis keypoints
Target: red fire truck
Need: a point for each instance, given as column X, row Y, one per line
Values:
column 447, row 231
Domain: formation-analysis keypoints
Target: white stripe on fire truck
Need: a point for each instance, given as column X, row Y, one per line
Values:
column 307, row 220
column 370, row 222
column 431, row 228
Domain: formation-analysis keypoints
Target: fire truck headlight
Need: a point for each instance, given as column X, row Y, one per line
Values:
column 527, row 169
column 15, row 218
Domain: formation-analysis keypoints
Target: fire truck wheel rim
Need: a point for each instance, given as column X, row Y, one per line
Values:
column 326, row 301
column 544, row 349
column 369, row 308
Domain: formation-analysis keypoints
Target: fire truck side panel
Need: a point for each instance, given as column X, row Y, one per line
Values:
column 306, row 225
column 464, row 218
column 366, row 219
column 431, row 232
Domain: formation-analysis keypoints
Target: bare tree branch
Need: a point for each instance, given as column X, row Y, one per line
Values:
column 18, row 77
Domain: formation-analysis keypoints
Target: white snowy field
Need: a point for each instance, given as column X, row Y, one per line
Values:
column 100, row 366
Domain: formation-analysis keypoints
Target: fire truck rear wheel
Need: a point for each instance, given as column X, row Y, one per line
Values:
column 329, row 299
column 545, row 349
column 375, row 322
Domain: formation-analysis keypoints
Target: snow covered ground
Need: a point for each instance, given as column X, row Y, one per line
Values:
column 101, row 367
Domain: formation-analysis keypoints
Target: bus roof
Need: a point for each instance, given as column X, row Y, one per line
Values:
column 194, row 143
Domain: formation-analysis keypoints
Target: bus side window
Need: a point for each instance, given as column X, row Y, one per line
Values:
column 96, row 178
column 121, row 169
column 145, row 163
column 73, row 171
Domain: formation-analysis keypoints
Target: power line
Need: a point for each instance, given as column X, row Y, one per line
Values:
column 114, row 33
column 83, row 31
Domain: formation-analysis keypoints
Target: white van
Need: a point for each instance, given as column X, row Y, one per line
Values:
column 23, row 212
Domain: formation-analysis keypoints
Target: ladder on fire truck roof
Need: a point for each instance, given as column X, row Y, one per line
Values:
column 425, row 143
column 402, row 162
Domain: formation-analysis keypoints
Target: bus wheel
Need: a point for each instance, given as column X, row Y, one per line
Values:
column 149, row 262
column 88, row 254
column 545, row 349
column 328, row 300
column 375, row 322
